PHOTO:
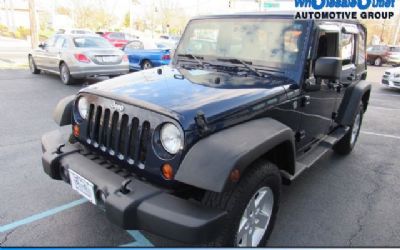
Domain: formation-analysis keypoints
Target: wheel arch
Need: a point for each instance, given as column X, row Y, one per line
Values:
column 355, row 93
column 209, row 163
column 365, row 99
column 143, row 60
column 62, row 114
column 61, row 62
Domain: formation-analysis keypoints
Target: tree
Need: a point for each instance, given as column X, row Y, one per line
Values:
column 62, row 10
column 127, row 20
column 92, row 14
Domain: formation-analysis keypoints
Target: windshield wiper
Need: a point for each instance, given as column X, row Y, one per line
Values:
column 196, row 58
column 246, row 64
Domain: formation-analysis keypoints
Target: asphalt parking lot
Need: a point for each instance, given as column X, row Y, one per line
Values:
column 341, row 201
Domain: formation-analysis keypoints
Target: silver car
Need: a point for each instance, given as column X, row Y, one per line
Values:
column 75, row 57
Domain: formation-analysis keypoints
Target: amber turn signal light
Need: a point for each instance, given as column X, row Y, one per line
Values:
column 167, row 171
column 235, row 175
column 76, row 130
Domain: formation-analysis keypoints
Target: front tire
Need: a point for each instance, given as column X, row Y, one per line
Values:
column 251, row 206
column 378, row 61
column 32, row 66
column 347, row 143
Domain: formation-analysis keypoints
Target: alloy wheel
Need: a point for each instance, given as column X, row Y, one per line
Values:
column 147, row 65
column 31, row 64
column 378, row 61
column 356, row 129
column 255, row 219
column 64, row 74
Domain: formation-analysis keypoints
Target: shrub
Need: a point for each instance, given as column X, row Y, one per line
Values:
column 22, row 32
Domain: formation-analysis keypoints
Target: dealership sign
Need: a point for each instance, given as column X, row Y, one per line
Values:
column 344, row 9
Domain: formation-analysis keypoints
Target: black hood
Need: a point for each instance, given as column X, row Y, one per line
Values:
column 182, row 94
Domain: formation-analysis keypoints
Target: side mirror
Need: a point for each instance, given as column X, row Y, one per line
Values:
column 42, row 45
column 328, row 68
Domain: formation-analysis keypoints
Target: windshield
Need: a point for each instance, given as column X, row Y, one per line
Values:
column 91, row 42
column 263, row 42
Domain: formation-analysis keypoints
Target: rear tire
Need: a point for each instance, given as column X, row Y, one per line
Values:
column 246, row 212
column 65, row 75
column 32, row 66
column 146, row 64
column 347, row 143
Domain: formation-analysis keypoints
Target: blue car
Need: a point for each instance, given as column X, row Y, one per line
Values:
column 146, row 54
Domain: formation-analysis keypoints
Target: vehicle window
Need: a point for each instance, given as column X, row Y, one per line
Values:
column 135, row 45
column 327, row 45
column 361, row 49
column 273, row 42
column 80, row 32
column 377, row 48
column 394, row 49
column 65, row 44
column 59, row 43
column 91, row 42
column 50, row 42
column 161, row 46
column 347, row 48
column 117, row 35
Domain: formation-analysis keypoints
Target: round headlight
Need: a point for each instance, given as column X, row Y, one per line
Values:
column 171, row 138
column 83, row 107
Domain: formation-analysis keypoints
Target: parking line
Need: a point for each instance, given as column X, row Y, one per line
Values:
column 41, row 215
column 383, row 135
column 140, row 240
column 384, row 108
column 374, row 94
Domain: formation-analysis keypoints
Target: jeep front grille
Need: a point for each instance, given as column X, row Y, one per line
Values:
column 120, row 135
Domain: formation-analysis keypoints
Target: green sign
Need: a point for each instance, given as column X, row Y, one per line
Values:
column 269, row 5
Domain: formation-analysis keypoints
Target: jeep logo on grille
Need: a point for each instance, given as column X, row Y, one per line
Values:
column 118, row 107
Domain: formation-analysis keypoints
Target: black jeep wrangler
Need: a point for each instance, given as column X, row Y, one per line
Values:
column 196, row 151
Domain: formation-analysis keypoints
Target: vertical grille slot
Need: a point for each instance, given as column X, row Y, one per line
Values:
column 114, row 131
column 144, row 139
column 90, row 119
column 94, row 130
column 123, row 135
column 133, row 135
column 104, row 128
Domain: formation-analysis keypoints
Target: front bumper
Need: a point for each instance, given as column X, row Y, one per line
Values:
column 393, row 60
column 390, row 83
column 80, row 71
column 145, row 207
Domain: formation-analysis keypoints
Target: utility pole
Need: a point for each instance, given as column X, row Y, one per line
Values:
column 396, row 34
column 12, row 12
column 382, row 31
column 33, row 24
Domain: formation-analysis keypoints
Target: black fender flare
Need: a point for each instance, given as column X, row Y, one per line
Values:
column 62, row 114
column 209, row 163
column 351, row 99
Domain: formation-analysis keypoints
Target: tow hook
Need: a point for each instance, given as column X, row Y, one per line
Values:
column 58, row 151
column 124, row 186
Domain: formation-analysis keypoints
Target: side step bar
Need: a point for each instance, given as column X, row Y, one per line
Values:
column 316, row 153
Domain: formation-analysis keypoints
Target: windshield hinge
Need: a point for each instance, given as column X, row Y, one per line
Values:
column 201, row 123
